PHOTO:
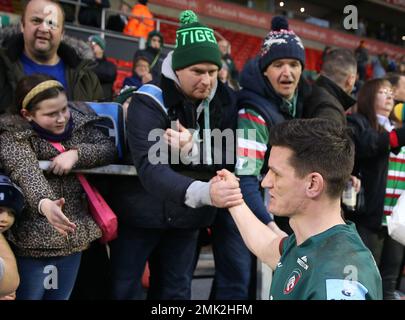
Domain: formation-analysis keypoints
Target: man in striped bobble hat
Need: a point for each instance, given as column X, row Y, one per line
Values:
column 164, row 208
column 272, row 92
column 281, row 43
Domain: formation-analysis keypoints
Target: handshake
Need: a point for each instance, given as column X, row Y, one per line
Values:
column 225, row 191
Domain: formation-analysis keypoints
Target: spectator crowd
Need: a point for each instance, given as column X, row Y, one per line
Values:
column 259, row 157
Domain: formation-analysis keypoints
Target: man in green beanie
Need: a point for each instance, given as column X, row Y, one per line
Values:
column 154, row 53
column 194, row 43
column 105, row 70
column 164, row 208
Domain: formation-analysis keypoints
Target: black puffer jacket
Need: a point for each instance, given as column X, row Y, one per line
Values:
column 327, row 100
column 156, row 198
column 372, row 151
column 332, row 88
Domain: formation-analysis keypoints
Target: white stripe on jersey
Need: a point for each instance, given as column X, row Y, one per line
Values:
column 393, row 191
column 250, row 144
column 243, row 111
column 396, row 173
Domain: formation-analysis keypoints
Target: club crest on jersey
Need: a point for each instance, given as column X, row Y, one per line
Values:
column 292, row 281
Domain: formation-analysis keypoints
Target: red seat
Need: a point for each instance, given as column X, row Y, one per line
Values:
column 119, row 80
column 168, row 30
column 243, row 46
column 6, row 6
column 113, row 60
column 124, row 64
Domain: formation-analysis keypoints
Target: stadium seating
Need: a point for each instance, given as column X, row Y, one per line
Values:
column 244, row 47
column 113, row 122
column 124, row 69
column 6, row 6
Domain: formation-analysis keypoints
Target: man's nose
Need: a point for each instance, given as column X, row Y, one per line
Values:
column 44, row 27
column 205, row 78
column 286, row 70
column 267, row 181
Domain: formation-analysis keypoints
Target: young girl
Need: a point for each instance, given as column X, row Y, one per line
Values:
column 56, row 226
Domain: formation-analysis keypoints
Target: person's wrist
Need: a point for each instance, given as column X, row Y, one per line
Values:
column 40, row 205
column 75, row 152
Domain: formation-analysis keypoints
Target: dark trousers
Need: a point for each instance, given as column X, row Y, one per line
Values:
column 93, row 279
column 401, row 270
column 388, row 255
column 235, row 265
column 170, row 253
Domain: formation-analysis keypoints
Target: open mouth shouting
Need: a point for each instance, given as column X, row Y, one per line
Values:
column 287, row 83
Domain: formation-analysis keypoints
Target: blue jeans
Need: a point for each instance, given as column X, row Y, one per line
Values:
column 47, row 278
column 170, row 253
column 233, row 261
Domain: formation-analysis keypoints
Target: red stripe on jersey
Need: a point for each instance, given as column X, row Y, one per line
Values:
column 396, row 178
column 390, row 195
column 243, row 152
column 398, row 160
column 252, row 118
column 280, row 245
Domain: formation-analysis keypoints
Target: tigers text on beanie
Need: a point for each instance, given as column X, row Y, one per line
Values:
column 195, row 43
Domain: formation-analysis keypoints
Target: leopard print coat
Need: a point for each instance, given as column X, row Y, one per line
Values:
column 20, row 150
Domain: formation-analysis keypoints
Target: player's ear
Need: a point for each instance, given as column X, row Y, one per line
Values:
column 315, row 184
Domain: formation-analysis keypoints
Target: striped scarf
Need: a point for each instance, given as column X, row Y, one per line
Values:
column 395, row 182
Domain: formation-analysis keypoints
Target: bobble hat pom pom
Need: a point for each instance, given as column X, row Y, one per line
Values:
column 281, row 43
column 279, row 23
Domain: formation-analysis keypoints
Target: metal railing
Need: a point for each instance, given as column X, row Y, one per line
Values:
column 112, row 169
column 125, row 170
column 107, row 12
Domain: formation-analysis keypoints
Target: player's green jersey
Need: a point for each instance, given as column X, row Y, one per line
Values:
column 332, row 265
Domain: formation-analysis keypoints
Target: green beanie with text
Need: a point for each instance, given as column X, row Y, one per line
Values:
column 195, row 43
